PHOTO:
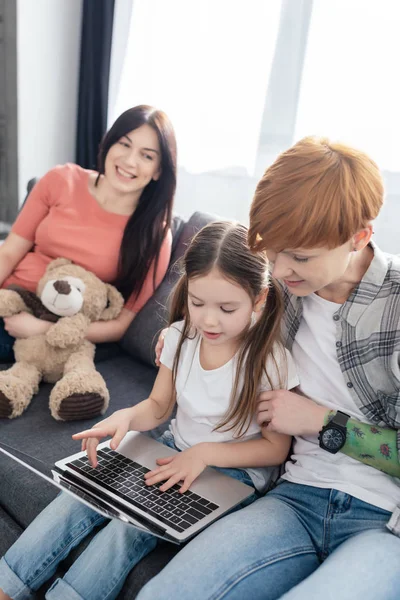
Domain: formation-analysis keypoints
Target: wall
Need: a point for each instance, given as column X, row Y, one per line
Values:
column 48, row 42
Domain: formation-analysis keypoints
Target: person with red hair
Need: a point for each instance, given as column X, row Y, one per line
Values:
column 330, row 527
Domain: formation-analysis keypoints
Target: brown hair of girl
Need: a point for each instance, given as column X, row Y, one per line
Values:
column 223, row 245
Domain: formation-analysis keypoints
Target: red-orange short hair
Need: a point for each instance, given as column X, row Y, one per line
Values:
column 317, row 193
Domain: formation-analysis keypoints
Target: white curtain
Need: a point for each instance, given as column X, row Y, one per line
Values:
column 206, row 64
column 351, row 85
column 351, row 90
column 244, row 79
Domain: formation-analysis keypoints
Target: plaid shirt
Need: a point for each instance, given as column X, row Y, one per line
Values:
column 367, row 344
column 367, row 340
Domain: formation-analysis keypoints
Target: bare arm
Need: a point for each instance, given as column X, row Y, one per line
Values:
column 271, row 449
column 12, row 251
column 295, row 414
column 24, row 325
column 159, row 405
column 110, row 331
column 146, row 415
column 372, row 445
column 186, row 466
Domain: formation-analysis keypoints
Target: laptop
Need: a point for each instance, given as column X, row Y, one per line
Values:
column 116, row 488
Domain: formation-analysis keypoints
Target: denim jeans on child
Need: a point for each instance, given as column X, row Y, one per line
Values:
column 99, row 572
column 296, row 543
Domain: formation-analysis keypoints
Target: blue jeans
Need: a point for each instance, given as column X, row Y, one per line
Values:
column 99, row 572
column 6, row 345
column 296, row 543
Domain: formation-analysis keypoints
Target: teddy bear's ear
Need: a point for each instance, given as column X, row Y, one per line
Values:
column 58, row 262
column 115, row 304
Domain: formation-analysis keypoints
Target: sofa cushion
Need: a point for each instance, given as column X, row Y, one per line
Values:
column 141, row 337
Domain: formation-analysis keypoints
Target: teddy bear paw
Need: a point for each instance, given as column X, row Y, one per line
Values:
column 81, row 406
column 16, row 391
column 6, row 407
column 79, row 396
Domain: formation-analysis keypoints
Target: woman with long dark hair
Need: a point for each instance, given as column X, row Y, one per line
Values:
column 114, row 222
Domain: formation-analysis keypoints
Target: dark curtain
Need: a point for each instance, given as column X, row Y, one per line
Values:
column 97, row 25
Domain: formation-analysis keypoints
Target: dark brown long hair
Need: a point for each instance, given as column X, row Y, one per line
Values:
column 224, row 245
column 147, row 227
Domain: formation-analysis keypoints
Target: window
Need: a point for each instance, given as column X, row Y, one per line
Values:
column 206, row 64
column 350, row 89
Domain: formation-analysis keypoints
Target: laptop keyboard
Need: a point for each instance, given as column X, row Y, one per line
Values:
column 125, row 478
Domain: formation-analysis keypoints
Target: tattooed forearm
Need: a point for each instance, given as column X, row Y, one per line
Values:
column 372, row 445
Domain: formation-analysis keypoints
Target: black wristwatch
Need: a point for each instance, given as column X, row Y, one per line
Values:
column 332, row 436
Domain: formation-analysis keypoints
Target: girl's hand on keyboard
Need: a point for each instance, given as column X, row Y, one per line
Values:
column 185, row 466
column 117, row 426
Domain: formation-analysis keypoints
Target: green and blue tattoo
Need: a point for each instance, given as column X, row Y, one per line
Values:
column 371, row 445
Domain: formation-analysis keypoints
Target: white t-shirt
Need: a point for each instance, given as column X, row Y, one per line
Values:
column 314, row 353
column 203, row 396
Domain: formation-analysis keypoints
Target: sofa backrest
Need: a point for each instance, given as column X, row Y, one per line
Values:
column 141, row 337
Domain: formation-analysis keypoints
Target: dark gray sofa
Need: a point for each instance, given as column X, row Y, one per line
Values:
column 128, row 368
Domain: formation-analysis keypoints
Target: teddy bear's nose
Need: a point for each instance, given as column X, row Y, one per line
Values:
column 62, row 287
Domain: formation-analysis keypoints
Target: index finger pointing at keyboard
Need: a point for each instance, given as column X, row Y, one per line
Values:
column 91, row 450
column 91, row 433
column 101, row 432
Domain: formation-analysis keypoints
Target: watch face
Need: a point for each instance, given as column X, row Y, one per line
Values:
column 333, row 439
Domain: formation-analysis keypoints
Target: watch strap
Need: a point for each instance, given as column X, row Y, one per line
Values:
column 339, row 419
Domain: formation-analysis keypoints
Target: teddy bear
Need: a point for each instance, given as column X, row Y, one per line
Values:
column 72, row 298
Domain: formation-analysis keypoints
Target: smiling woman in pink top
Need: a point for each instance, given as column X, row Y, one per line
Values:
column 114, row 222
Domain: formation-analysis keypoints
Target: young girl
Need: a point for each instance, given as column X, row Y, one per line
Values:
column 217, row 358
column 114, row 222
